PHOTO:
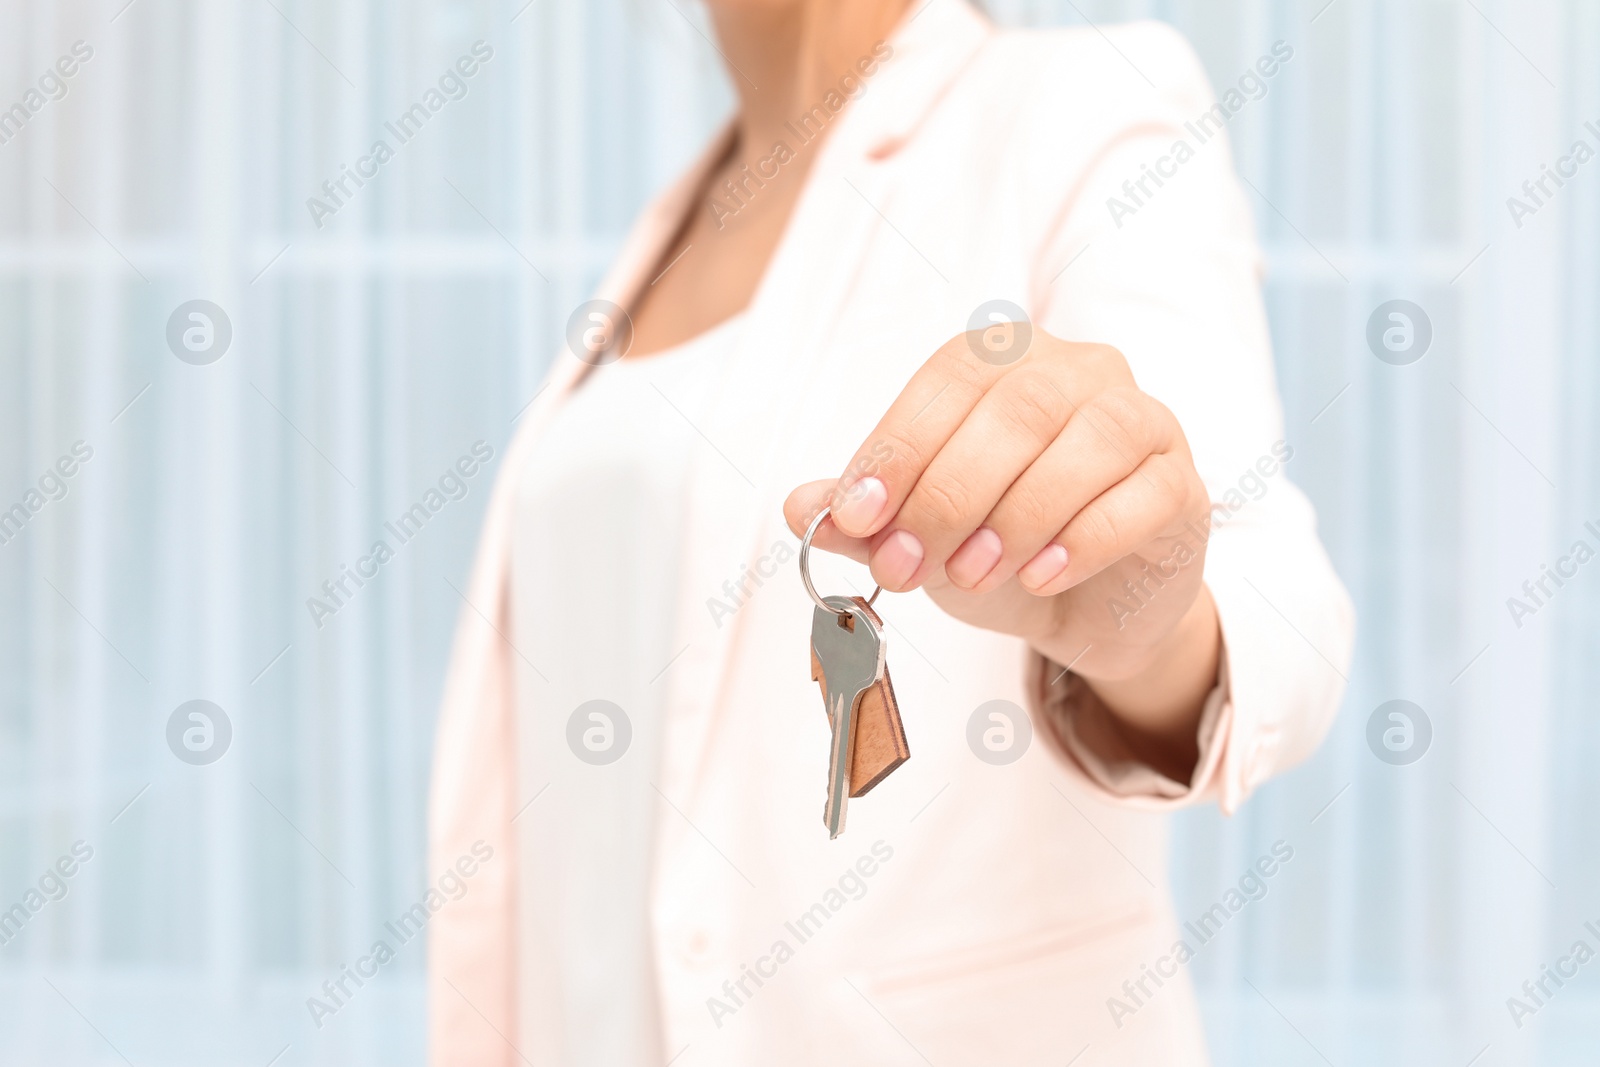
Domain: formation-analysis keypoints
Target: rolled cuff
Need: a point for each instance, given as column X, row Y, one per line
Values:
column 1084, row 733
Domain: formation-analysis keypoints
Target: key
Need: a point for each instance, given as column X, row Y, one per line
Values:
column 868, row 740
column 880, row 736
column 849, row 650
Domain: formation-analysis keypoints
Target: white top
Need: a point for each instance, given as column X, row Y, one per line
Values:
column 595, row 579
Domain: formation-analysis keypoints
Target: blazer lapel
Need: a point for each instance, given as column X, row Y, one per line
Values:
column 636, row 261
column 640, row 252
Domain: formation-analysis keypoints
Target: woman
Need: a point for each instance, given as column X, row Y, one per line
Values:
column 899, row 260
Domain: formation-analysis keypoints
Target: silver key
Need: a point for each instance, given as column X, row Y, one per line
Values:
column 850, row 649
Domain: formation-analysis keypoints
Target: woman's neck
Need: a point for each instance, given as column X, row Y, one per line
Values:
column 785, row 58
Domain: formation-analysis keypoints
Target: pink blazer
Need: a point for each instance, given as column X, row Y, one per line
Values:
column 1021, row 910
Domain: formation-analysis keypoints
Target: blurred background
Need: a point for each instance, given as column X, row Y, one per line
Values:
column 345, row 356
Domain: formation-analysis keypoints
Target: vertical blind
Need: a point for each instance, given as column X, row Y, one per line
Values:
column 387, row 311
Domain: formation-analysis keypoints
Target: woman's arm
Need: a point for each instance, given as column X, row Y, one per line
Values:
column 1064, row 491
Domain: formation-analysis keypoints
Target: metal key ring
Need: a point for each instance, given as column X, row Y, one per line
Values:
column 805, row 567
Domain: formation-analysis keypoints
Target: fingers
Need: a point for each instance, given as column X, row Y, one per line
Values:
column 1129, row 515
column 1105, row 442
column 1003, row 435
column 978, row 472
column 953, row 441
column 922, row 418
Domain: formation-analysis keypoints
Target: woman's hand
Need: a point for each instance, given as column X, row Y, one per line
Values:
column 1043, row 496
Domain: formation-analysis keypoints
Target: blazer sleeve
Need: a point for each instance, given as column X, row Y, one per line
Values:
column 1169, row 274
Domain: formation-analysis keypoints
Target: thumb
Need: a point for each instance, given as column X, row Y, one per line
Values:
column 805, row 503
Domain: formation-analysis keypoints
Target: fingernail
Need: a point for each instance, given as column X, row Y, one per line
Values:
column 897, row 559
column 1044, row 568
column 972, row 562
column 857, row 507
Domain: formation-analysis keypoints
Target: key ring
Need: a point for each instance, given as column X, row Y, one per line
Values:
column 805, row 567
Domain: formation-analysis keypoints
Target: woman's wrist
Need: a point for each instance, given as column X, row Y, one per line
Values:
column 1158, row 707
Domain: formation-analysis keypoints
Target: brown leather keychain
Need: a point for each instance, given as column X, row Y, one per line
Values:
column 880, row 744
column 847, row 660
